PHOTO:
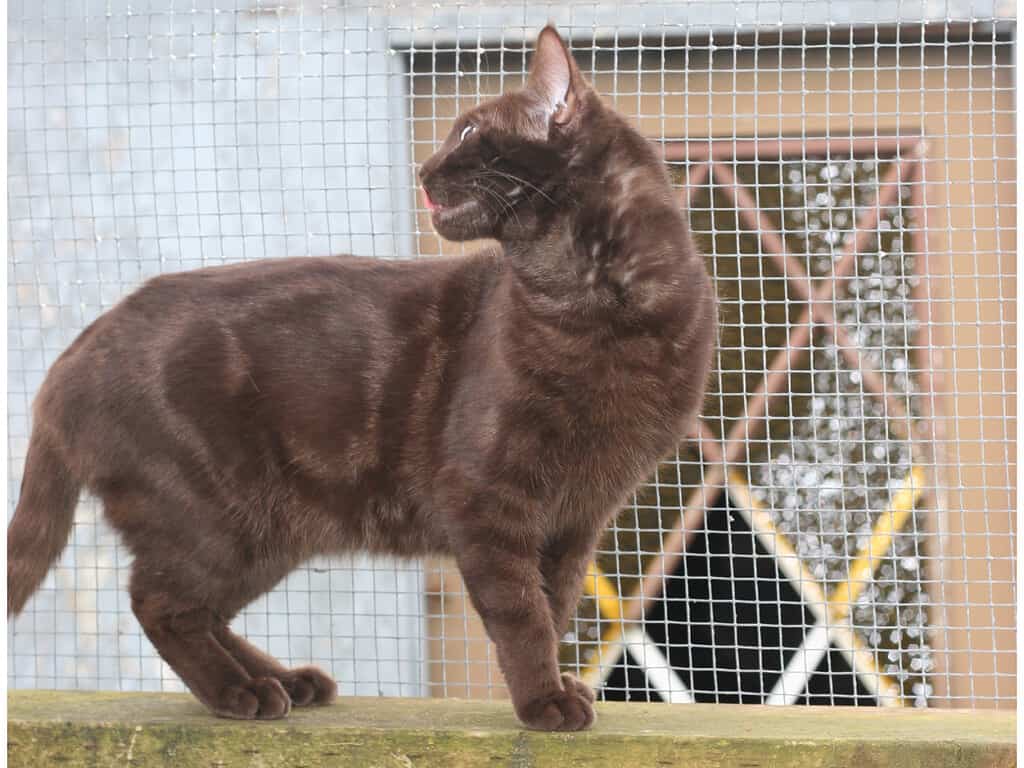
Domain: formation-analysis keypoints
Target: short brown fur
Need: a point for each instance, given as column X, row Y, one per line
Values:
column 496, row 408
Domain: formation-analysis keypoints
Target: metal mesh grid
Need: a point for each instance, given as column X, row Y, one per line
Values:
column 840, row 528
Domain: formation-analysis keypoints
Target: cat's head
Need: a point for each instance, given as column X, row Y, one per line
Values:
column 505, row 158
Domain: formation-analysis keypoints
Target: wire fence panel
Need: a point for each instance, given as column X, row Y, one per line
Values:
column 838, row 529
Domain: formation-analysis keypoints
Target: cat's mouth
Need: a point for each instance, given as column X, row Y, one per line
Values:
column 439, row 212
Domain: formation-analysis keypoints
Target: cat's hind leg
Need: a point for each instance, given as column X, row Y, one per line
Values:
column 183, row 635
column 305, row 685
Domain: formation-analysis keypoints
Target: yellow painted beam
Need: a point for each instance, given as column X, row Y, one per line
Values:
column 859, row 656
column 600, row 587
column 609, row 609
column 889, row 523
column 837, row 605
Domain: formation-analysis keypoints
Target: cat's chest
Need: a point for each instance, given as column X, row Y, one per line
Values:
column 629, row 412
column 614, row 424
column 626, row 388
column 573, row 410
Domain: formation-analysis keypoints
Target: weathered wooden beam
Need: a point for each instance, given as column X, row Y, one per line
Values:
column 77, row 729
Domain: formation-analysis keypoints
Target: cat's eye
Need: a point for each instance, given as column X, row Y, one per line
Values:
column 466, row 131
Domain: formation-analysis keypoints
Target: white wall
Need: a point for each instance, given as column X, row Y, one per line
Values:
column 145, row 141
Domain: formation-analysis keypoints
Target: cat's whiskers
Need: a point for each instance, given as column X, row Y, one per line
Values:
column 519, row 180
column 505, row 204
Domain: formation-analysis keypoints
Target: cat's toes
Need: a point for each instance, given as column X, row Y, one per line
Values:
column 569, row 682
column 261, row 699
column 309, row 685
column 274, row 700
column 565, row 710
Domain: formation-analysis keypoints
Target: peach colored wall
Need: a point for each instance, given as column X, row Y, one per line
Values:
column 971, row 265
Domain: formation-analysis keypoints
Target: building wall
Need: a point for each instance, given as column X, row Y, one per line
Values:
column 961, row 100
column 145, row 139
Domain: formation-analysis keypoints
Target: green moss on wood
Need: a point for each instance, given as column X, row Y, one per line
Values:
column 78, row 729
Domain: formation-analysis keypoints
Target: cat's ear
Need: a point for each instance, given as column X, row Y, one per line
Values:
column 554, row 76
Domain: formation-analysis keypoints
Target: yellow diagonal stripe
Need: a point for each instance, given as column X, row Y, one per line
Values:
column 868, row 559
column 609, row 608
column 599, row 586
column 849, row 643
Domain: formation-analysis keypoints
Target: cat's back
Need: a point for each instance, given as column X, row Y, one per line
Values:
column 268, row 294
column 225, row 292
column 271, row 337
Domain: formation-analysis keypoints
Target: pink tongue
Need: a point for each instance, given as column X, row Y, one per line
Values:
column 431, row 205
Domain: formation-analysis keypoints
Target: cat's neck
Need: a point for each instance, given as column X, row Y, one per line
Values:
column 613, row 234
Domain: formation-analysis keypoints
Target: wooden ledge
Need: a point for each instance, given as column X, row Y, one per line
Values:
column 74, row 728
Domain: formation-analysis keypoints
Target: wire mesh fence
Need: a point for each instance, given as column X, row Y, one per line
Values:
column 839, row 528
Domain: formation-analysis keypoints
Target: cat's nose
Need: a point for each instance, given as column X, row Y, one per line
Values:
column 427, row 167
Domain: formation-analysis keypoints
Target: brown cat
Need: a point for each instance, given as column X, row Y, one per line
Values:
column 496, row 408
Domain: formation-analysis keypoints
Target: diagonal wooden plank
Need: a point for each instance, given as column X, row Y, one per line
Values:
column 757, row 220
column 801, row 667
column 860, row 658
column 818, row 312
column 889, row 523
column 660, row 674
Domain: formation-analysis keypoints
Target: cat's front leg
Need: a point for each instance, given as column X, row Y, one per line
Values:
column 563, row 567
column 506, row 588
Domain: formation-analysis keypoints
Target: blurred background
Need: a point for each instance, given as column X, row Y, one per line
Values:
column 840, row 527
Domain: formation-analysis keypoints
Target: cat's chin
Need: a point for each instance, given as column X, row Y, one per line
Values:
column 465, row 221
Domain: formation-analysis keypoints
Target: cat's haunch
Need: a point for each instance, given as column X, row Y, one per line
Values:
column 496, row 408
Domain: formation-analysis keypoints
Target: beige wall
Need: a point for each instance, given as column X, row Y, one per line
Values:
column 970, row 215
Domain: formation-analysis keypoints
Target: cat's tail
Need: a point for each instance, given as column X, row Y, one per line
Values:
column 42, row 522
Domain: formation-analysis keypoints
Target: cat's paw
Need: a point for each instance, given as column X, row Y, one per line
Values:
column 569, row 683
column 263, row 698
column 309, row 685
column 570, row 709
